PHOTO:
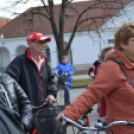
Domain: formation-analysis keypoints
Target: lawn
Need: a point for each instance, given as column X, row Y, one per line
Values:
column 81, row 82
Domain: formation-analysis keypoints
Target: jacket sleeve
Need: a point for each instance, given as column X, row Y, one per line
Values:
column 25, row 107
column 14, row 68
column 106, row 81
column 71, row 72
column 51, row 90
column 92, row 68
column 57, row 69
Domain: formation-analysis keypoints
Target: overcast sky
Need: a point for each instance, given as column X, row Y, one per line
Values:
column 6, row 7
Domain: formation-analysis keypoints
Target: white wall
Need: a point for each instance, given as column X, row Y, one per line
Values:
column 20, row 50
column 85, row 46
column 4, row 58
column 13, row 45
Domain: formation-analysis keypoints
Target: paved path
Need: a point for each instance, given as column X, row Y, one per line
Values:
column 94, row 115
column 80, row 76
column 74, row 94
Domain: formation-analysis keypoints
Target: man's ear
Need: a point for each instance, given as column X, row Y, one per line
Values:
column 123, row 46
column 29, row 44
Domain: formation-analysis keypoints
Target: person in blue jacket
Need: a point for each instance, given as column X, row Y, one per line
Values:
column 68, row 70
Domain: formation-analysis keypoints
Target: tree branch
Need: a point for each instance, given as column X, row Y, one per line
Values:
column 73, row 9
column 68, row 3
column 45, row 6
column 52, row 20
column 78, row 22
column 41, row 14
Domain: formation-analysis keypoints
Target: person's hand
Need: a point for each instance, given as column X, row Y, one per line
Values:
column 59, row 116
column 51, row 99
column 92, row 75
column 23, row 127
column 66, row 74
column 53, row 72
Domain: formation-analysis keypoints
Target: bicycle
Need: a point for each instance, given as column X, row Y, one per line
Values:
column 62, row 89
column 44, row 118
column 98, row 126
column 83, row 121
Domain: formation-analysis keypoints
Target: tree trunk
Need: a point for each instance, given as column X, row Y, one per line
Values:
column 60, row 49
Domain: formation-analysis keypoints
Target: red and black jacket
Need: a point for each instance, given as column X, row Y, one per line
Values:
column 36, row 84
column 94, row 67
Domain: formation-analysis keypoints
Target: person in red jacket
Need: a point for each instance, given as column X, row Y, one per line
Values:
column 112, row 83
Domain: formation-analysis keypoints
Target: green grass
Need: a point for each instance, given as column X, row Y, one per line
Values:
column 81, row 70
column 81, row 82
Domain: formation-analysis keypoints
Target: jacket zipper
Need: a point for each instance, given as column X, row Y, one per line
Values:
column 29, row 56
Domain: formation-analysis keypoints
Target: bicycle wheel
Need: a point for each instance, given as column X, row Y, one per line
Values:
column 60, row 95
column 63, row 95
column 45, row 121
column 72, row 129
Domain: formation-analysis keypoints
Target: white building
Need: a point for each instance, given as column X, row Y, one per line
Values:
column 85, row 46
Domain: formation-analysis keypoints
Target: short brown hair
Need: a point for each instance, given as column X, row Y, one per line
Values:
column 64, row 56
column 105, row 50
column 123, row 34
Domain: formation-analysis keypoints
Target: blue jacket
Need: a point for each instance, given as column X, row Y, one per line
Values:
column 65, row 68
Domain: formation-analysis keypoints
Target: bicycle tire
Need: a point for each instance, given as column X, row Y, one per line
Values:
column 61, row 95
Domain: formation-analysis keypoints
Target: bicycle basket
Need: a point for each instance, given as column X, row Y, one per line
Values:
column 45, row 121
column 62, row 79
column 59, row 109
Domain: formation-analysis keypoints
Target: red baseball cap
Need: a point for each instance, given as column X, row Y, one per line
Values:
column 37, row 36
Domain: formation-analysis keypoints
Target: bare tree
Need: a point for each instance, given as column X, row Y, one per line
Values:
column 91, row 16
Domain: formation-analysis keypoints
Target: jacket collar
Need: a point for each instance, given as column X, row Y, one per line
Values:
column 30, row 57
column 120, row 58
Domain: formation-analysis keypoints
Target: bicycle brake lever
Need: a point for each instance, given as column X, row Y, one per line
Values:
column 46, row 100
column 44, row 104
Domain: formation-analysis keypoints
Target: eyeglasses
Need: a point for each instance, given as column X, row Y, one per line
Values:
column 39, row 42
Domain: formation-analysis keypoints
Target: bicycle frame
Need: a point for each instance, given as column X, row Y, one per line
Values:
column 85, row 117
column 61, row 87
column 86, row 123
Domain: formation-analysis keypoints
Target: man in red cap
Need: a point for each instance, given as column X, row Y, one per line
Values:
column 32, row 71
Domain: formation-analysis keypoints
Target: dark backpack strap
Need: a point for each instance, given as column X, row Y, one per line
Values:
column 127, row 76
column 119, row 61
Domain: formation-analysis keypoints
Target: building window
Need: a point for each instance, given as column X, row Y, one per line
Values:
column 110, row 41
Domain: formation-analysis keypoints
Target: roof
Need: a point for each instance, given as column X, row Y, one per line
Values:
column 3, row 21
column 21, row 26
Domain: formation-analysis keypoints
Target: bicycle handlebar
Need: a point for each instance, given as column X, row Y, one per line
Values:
column 57, row 75
column 41, row 106
column 127, row 123
column 98, row 126
column 130, row 123
column 79, row 126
